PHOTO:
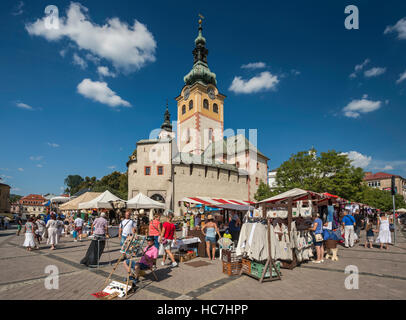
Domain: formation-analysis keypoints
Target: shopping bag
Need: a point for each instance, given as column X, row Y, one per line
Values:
column 74, row 233
column 161, row 249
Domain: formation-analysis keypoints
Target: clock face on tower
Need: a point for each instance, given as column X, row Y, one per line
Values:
column 187, row 94
column 210, row 92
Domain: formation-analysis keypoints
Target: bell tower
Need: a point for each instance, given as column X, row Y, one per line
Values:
column 200, row 105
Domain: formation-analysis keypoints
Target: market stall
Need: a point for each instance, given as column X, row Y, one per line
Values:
column 103, row 201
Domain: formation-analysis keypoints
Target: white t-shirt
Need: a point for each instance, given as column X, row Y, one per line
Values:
column 127, row 226
column 78, row 222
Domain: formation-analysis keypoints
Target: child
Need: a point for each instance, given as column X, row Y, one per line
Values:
column 370, row 234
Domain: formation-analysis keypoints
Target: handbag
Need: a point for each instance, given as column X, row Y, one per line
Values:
column 391, row 227
column 318, row 237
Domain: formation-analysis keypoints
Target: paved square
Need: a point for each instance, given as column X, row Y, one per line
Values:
column 382, row 275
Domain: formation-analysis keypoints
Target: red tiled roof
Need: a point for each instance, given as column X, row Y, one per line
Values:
column 378, row 175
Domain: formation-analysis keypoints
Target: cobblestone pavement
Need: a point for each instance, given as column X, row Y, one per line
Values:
column 382, row 275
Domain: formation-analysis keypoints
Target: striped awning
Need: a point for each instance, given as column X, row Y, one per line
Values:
column 215, row 201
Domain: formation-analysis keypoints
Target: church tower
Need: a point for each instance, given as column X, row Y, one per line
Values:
column 200, row 105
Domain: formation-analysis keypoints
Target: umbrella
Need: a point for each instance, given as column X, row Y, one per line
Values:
column 403, row 210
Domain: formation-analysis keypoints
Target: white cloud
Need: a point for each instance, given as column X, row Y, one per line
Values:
column 127, row 47
column 356, row 107
column 15, row 189
column 79, row 61
column 359, row 67
column 39, row 165
column 387, row 167
column 63, row 52
column 20, row 169
column 254, row 65
column 92, row 58
column 24, row 106
column 105, row 72
column 99, row 91
column 295, row 72
column 18, row 9
column 111, row 167
column 374, row 72
column 399, row 27
column 53, row 145
column 358, row 159
column 401, row 77
column 262, row 82
column 36, row 158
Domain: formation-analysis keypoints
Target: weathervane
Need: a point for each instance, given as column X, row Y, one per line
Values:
column 201, row 17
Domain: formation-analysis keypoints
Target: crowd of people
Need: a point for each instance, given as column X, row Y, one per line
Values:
column 349, row 227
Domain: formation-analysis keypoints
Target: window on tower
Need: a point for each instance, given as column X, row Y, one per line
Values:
column 206, row 104
column 183, row 109
column 215, row 108
column 190, row 104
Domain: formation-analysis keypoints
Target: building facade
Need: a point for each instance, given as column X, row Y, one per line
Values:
column 32, row 204
column 383, row 181
column 4, row 198
column 198, row 160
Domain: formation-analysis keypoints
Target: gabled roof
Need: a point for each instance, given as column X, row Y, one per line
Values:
column 235, row 144
column 380, row 175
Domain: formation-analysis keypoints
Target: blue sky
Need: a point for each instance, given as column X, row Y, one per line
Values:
column 289, row 69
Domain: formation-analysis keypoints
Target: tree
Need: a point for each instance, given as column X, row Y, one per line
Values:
column 72, row 182
column 264, row 192
column 330, row 172
column 380, row 199
column 115, row 182
column 14, row 198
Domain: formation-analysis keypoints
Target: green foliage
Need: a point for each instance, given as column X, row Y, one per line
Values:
column 115, row 182
column 14, row 198
column 264, row 192
column 73, row 182
column 380, row 199
column 330, row 172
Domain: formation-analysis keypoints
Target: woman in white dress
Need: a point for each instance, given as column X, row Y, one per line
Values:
column 52, row 226
column 29, row 230
column 384, row 236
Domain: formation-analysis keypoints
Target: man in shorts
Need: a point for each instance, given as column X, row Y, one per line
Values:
column 146, row 262
column 78, row 227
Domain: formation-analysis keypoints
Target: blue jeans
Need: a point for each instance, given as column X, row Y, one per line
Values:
column 156, row 242
column 211, row 239
column 122, row 240
column 133, row 263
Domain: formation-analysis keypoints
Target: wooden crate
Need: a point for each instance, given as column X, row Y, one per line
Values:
column 231, row 268
column 229, row 256
column 246, row 265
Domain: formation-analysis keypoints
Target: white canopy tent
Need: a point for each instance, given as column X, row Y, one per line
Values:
column 103, row 201
column 403, row 210
column 141, row 201
column 294, row 193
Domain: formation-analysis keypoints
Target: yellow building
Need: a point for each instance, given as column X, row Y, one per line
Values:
column 199, row 161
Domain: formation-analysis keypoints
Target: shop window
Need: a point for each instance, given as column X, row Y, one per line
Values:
column 215, row 108
column 183, row 109
column 160, row 170
column 206, row 104
column 190, row 104
column 147, row 171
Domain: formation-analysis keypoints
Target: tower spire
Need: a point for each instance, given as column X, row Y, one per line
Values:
column 166, row 125
column 200, row 71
